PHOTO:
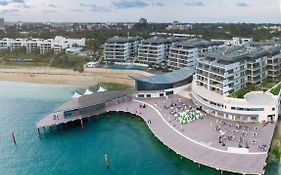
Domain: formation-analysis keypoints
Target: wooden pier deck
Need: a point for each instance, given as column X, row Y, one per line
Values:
column 187, row 142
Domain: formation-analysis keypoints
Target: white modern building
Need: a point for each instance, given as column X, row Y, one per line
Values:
column 239, row 41
column 255, row 107
column 186, row 53
column 154, row 50
column 121, row 49
column 236, row 41
column 18, row 43
column 5, row 43
column 60, row 43
column 33, row 45
column 57, row 45
column 224, row 71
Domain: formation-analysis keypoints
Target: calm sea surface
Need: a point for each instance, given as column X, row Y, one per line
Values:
column 131, row 147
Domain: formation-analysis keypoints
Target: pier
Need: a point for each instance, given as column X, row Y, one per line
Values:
column 196, row 141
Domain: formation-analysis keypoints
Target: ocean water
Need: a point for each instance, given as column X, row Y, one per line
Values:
column 131, row 147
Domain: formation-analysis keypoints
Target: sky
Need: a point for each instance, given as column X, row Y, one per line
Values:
column 256, row 11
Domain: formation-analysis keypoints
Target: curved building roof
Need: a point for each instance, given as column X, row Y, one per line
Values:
column 168, row 78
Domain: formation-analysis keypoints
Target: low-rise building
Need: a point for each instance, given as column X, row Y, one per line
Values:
column 18, row 43
column 154, row 50
column 186, row 53
column 121, row 49
column 5, row 43
column 33, row 45
column 224, row 71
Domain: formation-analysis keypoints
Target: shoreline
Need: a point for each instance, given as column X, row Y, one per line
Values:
column 48, row 75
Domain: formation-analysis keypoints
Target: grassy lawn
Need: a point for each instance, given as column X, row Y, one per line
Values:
column 116, row 86
column 276, row 90
column 108, row 86
column 240, row 93
column 72, row 61
column 269, row 83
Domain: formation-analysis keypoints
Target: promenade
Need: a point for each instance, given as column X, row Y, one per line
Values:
column 198, row 140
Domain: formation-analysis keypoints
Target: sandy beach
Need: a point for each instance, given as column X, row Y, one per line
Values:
column 49, row 75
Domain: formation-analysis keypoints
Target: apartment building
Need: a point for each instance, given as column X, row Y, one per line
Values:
column 154, row 50
column 47, row 46
column 59, row 43
column 121, row 49
column 18, row 43
column 5, row 43
column 227, row 70
column 224, row 71
column 186, row 53
column 33, row 45
column 274, row 63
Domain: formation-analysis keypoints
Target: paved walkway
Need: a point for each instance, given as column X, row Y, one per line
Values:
column 252, row 163
column 197, row 141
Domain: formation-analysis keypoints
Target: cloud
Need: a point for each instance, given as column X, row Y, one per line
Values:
column 50, row 11
column 18, row 1
column 195, row 4
column 125, row 4
column 4, row 3
column 95, row 8
column 242, row 4
column 9, row 11
column 157, row 4
column 53, row 6
column 77, row 10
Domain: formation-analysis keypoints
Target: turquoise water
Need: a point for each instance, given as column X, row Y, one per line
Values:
column 131, row 147
column 127, row 68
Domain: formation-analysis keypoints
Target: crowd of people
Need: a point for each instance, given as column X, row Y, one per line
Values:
column 244, row 135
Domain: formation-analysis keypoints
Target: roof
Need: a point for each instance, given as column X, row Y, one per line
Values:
column 168, row 78
column 118, row 39
column 160, row 40
column 231, row 55
column 91, row 100
column 196, row 44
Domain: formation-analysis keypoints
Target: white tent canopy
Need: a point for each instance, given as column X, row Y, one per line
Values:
column 88, row 92
column 101, row 89
column 76, row 95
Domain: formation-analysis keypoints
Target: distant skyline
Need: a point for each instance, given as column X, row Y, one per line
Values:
column 256, row 11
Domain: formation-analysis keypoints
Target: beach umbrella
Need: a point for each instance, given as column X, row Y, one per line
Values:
column 88, row 92
column 101, row 89
column 76, row 95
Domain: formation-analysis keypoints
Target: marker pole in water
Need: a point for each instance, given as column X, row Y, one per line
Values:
column 14, row 138
column 81, row 122
column 106, row 160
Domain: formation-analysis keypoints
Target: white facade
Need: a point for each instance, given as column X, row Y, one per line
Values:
column 57, row 45
column 18, row 43
column 33, row 44
column 238, row 41
column 186, row 54
column 255, row 107
column 154, row 50
column 5, row 43
column 229, row 70
column 120, row 49
column 225, row 71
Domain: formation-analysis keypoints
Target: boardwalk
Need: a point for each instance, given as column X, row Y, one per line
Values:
column 195, row 141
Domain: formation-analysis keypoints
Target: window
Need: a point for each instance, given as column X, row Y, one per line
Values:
column 141, row 95
column 148, row 95
column 161, row 94
column 169, row 92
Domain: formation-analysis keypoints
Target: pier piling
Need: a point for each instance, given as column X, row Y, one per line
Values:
column 106, row 161
column 81, row 122
column 14, row 138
